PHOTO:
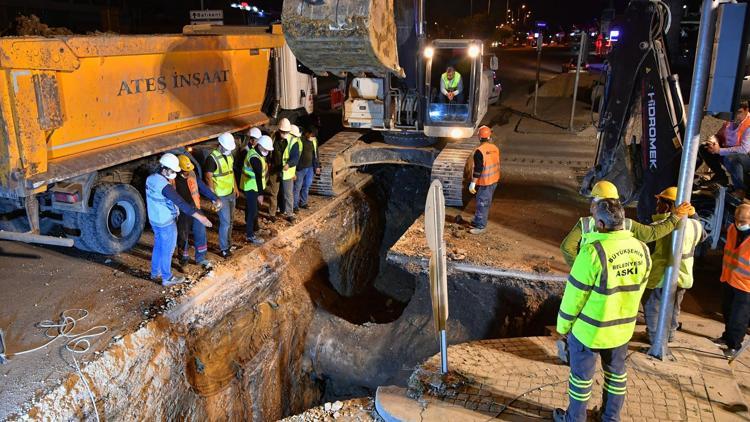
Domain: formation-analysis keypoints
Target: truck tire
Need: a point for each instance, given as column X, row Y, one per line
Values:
column 73, row 220
column 116, row 220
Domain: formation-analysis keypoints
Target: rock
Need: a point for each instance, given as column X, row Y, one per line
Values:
column 327, row 407
column 337, row 406
column 336, row 415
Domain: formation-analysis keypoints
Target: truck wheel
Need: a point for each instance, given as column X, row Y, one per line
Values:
column 74, row 220
column 116, row 220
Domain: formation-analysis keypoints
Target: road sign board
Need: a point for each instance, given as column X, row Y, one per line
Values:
column 206, row 15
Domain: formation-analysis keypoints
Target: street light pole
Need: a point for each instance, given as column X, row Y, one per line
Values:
column 538, row 66
column 659, row 348
column 581, row 51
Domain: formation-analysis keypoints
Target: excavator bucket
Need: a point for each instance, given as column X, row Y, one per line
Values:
column 343, row 36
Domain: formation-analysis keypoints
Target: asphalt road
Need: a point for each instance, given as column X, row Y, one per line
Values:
column 518, row 67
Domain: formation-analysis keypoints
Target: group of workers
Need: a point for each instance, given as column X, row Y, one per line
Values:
column 282, row 167
column 613, row 272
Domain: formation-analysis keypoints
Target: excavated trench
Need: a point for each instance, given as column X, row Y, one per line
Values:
column 316, row 314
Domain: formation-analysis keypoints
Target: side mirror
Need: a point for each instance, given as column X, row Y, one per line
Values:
column 494, row 63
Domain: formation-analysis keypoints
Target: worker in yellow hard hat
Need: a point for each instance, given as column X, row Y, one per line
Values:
column 581, row 232
column 190, row 188
column 694, row 235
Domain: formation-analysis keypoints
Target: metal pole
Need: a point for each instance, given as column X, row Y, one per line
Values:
column 443, row 352
column 659, row 348
column 489, row 6
column 538, row 66
column 581, row 52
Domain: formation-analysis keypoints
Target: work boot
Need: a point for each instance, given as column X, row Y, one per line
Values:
column 291, row 218
column 477, row 230
column 226, row 254
column 183, row 262
column 296, row 209
column 206, row 264
column 171, row 281
column 255, row 240
column 156, row 279
column 558, row 415
column 729, row 353
column 719, row 341
column 304, row 206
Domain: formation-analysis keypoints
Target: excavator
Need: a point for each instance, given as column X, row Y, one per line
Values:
column 642, row 122
column 392, row 74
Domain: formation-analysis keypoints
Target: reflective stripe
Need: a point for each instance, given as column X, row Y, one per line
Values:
column 618, row 391
column 578, row 285
column 601, row 324
column 647, row 254
column 627, row 224
column 565, row 316
column 586, row 225
column 739, row 269
column 603, row 278
column 579, row 397
column 615, row 377
column 580, row 383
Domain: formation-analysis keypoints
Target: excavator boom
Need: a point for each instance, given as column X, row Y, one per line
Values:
column 343, row 36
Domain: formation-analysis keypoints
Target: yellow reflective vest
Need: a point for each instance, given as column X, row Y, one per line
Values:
column 663, row 252
column 223, row 176
column 604, row 289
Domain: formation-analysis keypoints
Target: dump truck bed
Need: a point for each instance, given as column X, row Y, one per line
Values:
column 72, row 105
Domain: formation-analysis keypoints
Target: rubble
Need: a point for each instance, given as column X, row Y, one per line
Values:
column 31, row 25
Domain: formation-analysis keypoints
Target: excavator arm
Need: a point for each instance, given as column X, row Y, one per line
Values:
column 642, row 121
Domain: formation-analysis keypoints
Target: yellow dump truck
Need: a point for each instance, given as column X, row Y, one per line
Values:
column 79, row 115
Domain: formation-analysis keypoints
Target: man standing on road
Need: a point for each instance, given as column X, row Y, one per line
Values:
column 275, row 166
column 451, row 87
column 486, row 175
column 218, row 171
column 164, row 204
column 734, row 151
column 190, row 188
column 735, row 274
column 599, row 310
column 694, row 235
column 248, row 142
column 586, row 226
column 289, row 161
column 253, row 182
column 307, row 167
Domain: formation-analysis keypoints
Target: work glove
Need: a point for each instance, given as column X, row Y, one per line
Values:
column 684, row 209
column 473, row 188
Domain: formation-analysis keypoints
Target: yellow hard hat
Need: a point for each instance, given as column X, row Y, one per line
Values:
column 604, row 190
column 669, row 193
column 185, row 163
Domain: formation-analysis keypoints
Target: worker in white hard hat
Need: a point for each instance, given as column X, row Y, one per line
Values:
column 275, row 166
column 289, row 160
column 246, row 142
column 164, row 205
column 253, row 182
column 218, row 170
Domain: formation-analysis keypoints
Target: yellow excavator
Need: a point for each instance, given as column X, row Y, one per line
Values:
column 393, row 85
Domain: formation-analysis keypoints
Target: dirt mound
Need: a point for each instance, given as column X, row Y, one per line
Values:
column 31, row 25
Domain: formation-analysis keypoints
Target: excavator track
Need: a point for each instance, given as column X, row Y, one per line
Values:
column 332, row 169
column 449, row 167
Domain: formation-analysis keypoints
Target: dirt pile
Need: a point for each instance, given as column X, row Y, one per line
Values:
column 32, row 26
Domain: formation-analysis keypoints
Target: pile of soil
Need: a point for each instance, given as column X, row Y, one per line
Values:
column 32, row 26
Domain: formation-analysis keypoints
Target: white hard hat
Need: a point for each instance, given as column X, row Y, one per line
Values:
column 266, row 143
column 255, row 133
column 295, row 131
column 170, row 161
column 227, row 141
column 285, row 125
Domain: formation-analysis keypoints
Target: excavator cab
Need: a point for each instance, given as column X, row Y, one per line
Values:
column 456, row 87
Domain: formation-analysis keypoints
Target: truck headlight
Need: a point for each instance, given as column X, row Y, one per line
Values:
column 429, row 52
column 473, row 51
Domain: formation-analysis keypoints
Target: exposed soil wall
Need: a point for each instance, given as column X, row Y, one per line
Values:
column 356, row 359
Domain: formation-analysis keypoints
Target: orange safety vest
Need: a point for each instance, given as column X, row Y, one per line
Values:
column 491, row 159
column 736, row 263
column 741, row 130
column 193, row 187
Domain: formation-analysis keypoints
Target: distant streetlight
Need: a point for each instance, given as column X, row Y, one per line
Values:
column 523, row 6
